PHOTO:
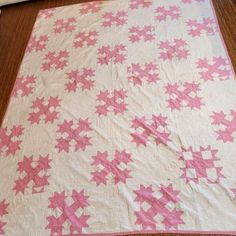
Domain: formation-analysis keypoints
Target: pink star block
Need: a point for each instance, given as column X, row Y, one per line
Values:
column 137, row 33
column 3, row 211
column 44, row 110
column 158, row 205
column 73, row 134
column 137, row 73
column 135, row 4
column 106, row 167
column 173, row 49
column 86, row 38
column 116, row 55
column 118, row 19
column 199, row 162
column 197, row 28
column 163, row 13
column 3, row 207
column 216, row 69
column 24, row 86
column 46, row 13
column 1, row 227
column 37, row 44
column 227, row 130
column 69, row 214
column 64, row 25
column 80, row 79
column 148, row 129
column 32, row 173
column 10, row 140
column 90, row 7
column 111, row 102
column 182, row 95
column 57, row 60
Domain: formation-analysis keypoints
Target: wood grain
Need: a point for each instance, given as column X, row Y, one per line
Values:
column 16, row 23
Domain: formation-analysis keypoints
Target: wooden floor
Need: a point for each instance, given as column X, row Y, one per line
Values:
column 16, row 24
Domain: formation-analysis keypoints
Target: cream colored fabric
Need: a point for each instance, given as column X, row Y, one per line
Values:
column 6, row 2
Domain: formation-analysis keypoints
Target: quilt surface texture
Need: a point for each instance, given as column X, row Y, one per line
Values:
column 122, row 120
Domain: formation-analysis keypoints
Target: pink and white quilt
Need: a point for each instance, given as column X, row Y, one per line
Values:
column 122, row 120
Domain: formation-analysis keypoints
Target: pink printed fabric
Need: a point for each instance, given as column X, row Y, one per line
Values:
column 122, row 120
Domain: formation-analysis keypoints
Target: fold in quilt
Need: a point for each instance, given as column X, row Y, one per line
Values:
column 122, row 120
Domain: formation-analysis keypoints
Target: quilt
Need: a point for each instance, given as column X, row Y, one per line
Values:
column 122, row 120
